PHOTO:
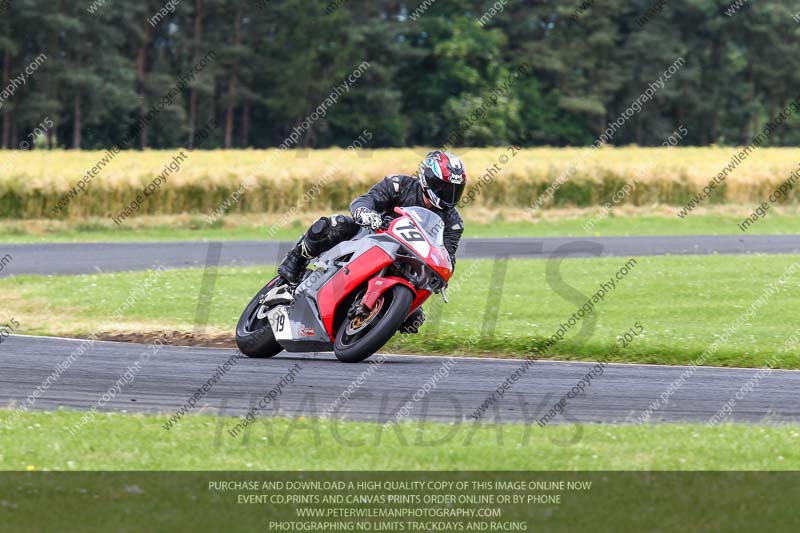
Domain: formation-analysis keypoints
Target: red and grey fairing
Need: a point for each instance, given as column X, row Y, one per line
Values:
column 412, row 252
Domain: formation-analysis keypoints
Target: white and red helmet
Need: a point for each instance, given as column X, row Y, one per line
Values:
column 443, row 178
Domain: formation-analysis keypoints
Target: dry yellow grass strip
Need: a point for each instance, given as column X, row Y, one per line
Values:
column 34, row 182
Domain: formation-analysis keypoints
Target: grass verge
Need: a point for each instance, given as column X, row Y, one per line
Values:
column 624, row 220
column 40, row 441
column 683, row 304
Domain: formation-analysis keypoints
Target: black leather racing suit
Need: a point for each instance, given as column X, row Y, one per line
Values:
column 405, row 191
column 393, row 191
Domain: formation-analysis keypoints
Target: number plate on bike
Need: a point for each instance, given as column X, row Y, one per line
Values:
column 408, row 233
column 279, row 320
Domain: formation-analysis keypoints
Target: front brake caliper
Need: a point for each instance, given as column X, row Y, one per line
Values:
column 356, row 308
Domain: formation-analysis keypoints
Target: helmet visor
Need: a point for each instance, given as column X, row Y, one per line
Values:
column 449, row 193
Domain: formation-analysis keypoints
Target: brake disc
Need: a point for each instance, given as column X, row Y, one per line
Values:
column 358, row 322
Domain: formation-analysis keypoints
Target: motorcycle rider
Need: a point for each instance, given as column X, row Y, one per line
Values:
column 438, row 186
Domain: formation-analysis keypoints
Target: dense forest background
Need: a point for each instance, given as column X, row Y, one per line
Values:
column 432, row 63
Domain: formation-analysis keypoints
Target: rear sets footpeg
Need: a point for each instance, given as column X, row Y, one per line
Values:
column 281, row 294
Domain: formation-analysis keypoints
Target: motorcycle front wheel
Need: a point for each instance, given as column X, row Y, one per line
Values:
column 361, row 336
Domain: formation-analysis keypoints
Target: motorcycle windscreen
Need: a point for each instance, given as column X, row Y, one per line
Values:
column 429, row 223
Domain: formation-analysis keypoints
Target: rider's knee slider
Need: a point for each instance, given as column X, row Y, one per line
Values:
column 342, row 228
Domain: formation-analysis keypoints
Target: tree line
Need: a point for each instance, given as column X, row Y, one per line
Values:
column 274, row 62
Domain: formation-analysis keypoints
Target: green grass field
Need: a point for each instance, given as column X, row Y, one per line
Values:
column 40, row 441
column 559, row 223
column 682, row 303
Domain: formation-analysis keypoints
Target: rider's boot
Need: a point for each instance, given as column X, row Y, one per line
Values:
column 292, row 267
column 323, row 235
column 314, row 242
column 413, row 322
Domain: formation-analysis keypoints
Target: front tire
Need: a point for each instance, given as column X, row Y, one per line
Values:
column 355, row 341
column 254, row 335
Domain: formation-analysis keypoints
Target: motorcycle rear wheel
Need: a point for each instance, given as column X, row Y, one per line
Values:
column 254, row 335
column 355, row 342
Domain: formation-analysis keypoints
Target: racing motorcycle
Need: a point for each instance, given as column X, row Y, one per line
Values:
column 358, row 295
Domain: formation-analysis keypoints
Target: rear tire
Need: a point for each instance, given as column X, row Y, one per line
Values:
column 254, row 336
column 357, row 347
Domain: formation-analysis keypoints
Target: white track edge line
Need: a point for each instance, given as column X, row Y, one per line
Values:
column 459, row 357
